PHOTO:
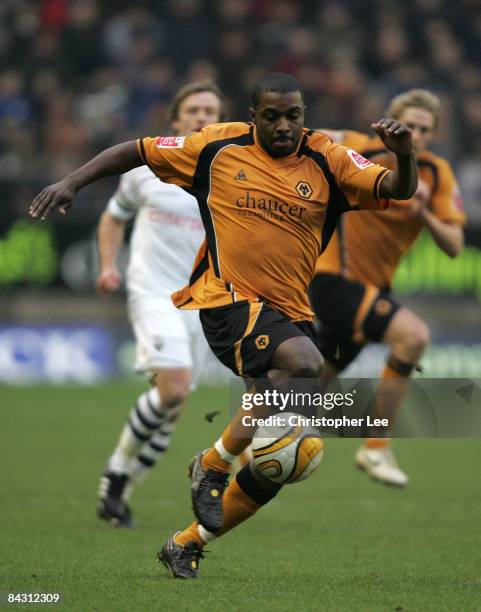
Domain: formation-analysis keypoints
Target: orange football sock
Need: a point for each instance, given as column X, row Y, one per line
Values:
column 390, row 394
column 229, row 446
column 235, row 439
column 238, row 507
column 390, row 372
column 191, row 534
column 377, row 443
column 212, row 460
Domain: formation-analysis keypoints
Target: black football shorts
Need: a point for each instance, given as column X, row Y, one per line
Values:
column 244, row 335
column 350, row 314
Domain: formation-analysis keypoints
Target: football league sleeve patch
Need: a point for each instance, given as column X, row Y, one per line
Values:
column 358, row 177
column 173, row 158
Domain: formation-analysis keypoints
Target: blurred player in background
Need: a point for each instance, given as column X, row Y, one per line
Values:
column 351, row 290
column 167, row 234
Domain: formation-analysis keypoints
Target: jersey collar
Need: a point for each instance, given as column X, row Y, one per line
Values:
column 288, row 160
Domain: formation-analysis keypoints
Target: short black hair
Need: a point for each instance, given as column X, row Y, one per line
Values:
column 280, row 82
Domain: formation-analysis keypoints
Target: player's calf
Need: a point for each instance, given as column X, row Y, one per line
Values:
column 150, row 453
column 145, row 418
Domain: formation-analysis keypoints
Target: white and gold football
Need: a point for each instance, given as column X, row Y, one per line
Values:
column 287, row 453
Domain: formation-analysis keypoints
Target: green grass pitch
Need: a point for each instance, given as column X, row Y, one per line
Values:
column 335, row 542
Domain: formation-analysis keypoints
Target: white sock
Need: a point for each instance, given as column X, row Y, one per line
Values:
column 119, row 462
column 150, row 452
column 220, row 448
column 145, row 419
column 207, row 536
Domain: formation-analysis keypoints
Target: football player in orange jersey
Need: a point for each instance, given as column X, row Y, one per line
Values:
column 351, row 290
column 269, row 193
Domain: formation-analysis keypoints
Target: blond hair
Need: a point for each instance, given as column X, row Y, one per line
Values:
column 193, row 88
column 417, row 98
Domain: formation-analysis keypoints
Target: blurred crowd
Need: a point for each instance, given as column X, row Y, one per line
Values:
column 79, row 75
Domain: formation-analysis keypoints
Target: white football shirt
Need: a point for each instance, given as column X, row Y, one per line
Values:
column 166, row 237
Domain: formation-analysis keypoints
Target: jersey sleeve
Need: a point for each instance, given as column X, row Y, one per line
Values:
column 124, row 203
column 358, row 178
column 173, row 158
column 446, row 202
column 351, row 139
column 358, row 141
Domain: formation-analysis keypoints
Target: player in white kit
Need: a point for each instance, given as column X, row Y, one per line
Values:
column 170, row 343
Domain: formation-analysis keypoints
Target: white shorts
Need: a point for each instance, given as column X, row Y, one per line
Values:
column 167, row 337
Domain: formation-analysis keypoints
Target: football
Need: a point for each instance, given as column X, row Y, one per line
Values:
column 287, row 453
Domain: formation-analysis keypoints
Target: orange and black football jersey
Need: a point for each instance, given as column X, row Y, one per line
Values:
column 266, row 219
column 368, row 247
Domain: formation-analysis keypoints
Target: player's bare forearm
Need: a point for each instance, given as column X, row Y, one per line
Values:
column 110, row 238
column 115, row 160
column 401, row 183
column 449, row 237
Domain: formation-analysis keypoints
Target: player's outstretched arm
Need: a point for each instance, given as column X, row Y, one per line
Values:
column 401, row 183
column 115, row 160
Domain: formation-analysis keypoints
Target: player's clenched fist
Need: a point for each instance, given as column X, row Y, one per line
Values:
column 420, row 199
column 395, row 135
column 59, row 195
column 108, row 281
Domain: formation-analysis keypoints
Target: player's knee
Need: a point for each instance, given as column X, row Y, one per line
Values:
column 173, row 395
column 305, row 367
column 297, row 357
column 329, row 370
column 416, row 339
